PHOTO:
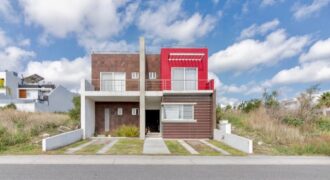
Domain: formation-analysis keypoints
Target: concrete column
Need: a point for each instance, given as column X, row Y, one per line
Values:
column 142, row 88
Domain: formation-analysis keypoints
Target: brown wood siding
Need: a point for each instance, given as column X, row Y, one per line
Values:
column 153, row 65
column 116, row 63
column 22, row 93
column 203, row 113
column 115, row 120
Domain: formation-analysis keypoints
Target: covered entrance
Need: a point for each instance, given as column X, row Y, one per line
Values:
column 152, row 121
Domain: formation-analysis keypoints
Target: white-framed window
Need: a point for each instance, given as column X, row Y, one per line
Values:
column 120, row 111
column 135, row 75
column 135, row 111
column 184, row 78
column 152, row 75
column 178, row 112
column 113, row 81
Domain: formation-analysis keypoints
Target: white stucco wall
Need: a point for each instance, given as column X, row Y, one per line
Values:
column 60, row 100
column 87, row 116
column 61, row 140
column 11, row 82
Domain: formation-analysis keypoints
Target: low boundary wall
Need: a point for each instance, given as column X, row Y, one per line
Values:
column 238, row 142
column 61, row 140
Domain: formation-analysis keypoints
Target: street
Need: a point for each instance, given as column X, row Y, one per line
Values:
column 164, row 172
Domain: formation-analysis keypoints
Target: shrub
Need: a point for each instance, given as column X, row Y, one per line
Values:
column 292, row 121
column 74, row 113
column 10, row 106
column 324, row 124
column 127, row 131
column 250, row 105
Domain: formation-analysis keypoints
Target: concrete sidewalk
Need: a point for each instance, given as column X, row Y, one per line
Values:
column 165, row 160
column 155, row 146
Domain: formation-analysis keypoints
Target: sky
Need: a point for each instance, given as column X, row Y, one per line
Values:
column 253, row 45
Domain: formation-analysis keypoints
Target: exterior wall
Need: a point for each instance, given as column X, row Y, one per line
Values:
column 11, row 83
column 61, row 140
column 87, row 119
column 60, row 100
column 153, row 65
column 202, row 66
column 203, row 128
column 115, row 120
column 115, row 63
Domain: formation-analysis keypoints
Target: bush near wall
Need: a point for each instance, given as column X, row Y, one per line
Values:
column 127, row 131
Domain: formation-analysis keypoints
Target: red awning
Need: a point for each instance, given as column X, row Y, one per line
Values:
column 186, row 56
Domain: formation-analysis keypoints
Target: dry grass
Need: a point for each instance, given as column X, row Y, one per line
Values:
column 19, row 129
column 273, row 129
column 14, row 121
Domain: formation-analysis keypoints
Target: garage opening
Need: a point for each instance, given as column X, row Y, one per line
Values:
column 152, row 121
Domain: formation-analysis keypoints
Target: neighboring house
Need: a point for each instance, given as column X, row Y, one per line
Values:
column 167, row 93
column 32, row 94
column 293, row 104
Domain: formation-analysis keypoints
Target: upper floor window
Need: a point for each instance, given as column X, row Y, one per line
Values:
column 152, row 75
column 184, row 79
column 135, row 75
column 135, row 111
column 113, row 81
column 2, row 83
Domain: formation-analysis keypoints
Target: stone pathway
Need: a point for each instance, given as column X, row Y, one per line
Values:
column 215, row 147
column 107, row 147
column 190, row 149
column 75, row 149
column 155, row 146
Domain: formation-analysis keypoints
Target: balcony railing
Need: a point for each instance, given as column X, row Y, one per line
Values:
column 152, row 85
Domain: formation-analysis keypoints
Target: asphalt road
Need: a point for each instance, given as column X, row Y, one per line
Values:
column 164, row 172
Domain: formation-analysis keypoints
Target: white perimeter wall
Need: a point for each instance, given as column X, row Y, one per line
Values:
column 238, row 142
column 60, row 100
column 61, row 140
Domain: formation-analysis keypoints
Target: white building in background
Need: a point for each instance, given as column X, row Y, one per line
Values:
column 33, row 94
column 293, row 104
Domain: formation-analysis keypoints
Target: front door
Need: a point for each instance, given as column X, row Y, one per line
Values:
column 106, row 120
column 152, row 121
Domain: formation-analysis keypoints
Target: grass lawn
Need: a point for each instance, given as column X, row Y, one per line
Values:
column 22, row 149
column 127, row 147
column 176, row 148
column 203, row 149
column 91, row 149
column 227, row 148
column 63, row 149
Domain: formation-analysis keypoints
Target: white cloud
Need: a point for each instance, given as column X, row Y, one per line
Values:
column 265, row 3
column 64, row 71
column 168, row 21
column 13, row 58
column 314, row 66
column 7, row 11
column 307, row 10
column 104, row 45
column 215, row 1
column 318, row 52
column 4, row 40
column 91, row 19
column 249, row 54
column 227, row 101
column 306, row 73
column 254, row 29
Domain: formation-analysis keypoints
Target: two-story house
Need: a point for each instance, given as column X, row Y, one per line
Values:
column 167, row 93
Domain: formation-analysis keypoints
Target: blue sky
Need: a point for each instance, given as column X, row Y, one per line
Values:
column 253, row 44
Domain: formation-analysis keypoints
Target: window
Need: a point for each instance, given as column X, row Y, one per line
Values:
column 178, row 112
column 152, row 75
column 135, row 75
column 113, row 81
column 120, row 111
column 184, row 79
column 2, row 83
column 135, row 111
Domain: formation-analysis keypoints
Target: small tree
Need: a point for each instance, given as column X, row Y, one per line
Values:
column 270, row 99
column 219, row 113
column 228, row 107
column 307, row 109
column 324, row 100
column 74, row 113
column 251, row 105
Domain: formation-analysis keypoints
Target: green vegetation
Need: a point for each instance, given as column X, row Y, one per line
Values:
column 127, row 131
column 251, row 105
column 203, row 149
column 127, row 147
column 293, row 121
column 227, row 148
column 176, row 148
column 324, row 100
column 64, row 149
column 21, row 132
column 91, row 149
column 74, row 113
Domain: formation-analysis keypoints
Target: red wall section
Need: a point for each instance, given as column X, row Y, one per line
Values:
column 166, row 65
